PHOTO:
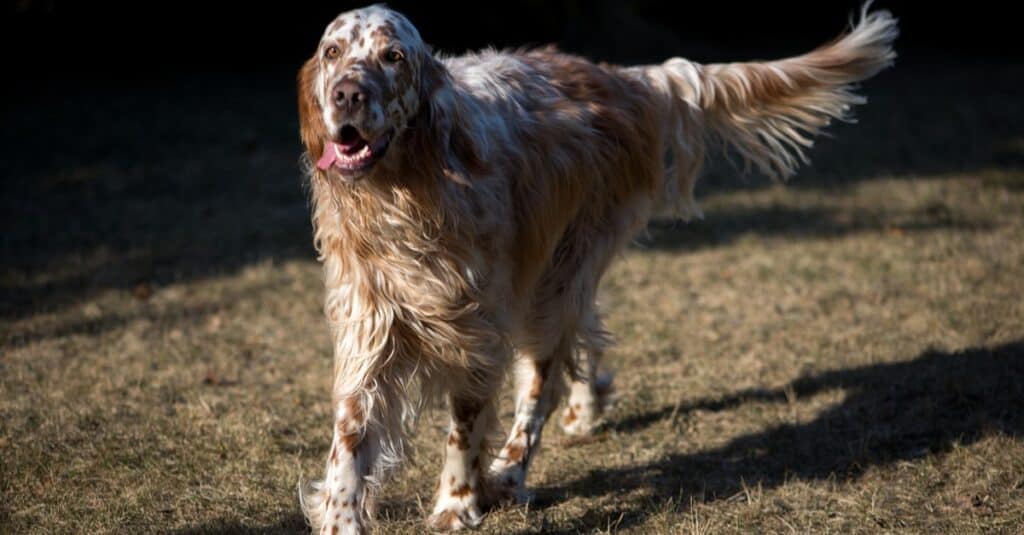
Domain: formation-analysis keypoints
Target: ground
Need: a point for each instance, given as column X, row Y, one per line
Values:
column 844, row 353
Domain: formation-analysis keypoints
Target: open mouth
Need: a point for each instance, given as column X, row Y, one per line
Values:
column 351, row 152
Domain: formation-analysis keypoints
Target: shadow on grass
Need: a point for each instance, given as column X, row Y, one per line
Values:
column 148, row 184
column 723, row 226
column 892, row 412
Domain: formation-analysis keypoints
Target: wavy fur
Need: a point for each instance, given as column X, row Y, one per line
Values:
column 480, row 237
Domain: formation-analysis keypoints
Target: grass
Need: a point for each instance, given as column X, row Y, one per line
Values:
column 843, row 354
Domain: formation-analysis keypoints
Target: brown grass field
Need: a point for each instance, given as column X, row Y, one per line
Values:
column 842, row 354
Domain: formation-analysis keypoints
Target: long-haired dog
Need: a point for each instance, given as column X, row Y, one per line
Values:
column 466, row 208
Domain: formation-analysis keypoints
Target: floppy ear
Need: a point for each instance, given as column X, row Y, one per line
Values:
column 311, row 122
column 445, row 133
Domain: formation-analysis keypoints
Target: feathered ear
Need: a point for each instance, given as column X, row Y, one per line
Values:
column 311, row 122
column 445, row 131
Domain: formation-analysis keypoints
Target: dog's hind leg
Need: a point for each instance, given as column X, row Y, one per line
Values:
column 590, row 392
column 590, row 395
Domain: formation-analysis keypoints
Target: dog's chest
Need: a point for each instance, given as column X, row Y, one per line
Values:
column 401, row 281
column 389, row 266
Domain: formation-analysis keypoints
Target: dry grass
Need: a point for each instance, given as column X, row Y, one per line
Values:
column 840, row 355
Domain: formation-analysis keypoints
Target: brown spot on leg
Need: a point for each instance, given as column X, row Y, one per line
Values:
column 537, row 387
column 570, row 416
column 350, row 441
column 348, row 427
column 462, row 491
column 458, row 440
column 540, row 375
column 355, row 409
column 514, row 452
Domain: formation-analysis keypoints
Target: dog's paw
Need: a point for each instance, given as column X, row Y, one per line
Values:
column 455, row 516
column 578, row 420
column 506, row 484
column 342, row 529
column 585, row 408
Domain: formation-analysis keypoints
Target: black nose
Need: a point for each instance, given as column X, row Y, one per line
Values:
column 347, row 94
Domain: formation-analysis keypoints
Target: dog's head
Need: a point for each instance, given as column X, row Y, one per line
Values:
column 370, row 76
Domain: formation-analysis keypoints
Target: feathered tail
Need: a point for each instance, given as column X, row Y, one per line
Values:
column 768, row 112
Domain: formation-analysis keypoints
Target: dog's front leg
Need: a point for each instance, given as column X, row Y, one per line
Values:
column 539, row 388
column 343, row 503
column 460, row 490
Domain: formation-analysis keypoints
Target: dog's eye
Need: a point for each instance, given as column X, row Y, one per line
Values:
column 331, row 52
column 394, row 56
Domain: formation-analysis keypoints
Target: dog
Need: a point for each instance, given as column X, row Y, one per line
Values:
column 465, row 209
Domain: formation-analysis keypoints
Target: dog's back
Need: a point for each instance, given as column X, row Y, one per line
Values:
column 589, row 150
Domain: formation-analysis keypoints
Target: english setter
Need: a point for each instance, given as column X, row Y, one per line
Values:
column 465, row 209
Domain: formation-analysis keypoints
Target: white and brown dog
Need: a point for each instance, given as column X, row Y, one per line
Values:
column 466, row 208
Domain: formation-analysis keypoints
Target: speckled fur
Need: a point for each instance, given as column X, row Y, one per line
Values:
column 476, row 244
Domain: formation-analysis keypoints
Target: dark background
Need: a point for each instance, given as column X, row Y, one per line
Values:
column 143, row 143
column 52, row 38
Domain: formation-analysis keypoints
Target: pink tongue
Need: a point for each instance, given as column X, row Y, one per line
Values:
column 330, row 154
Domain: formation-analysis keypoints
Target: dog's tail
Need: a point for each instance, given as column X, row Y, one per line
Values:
column 768, row 112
